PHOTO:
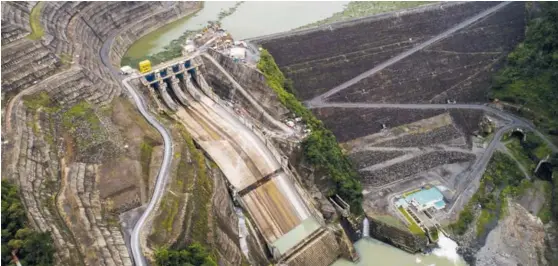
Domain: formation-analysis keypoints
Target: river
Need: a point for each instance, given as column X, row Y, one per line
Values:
column 251, row 19
column 374, row 252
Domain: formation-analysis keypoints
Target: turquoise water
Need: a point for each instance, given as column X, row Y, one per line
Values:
column 296, row 235
column 376, row 253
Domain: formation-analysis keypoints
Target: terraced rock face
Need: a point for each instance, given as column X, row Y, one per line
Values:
column 320, row 59
column 74, row 146
column 458, row 67
column 402, row 152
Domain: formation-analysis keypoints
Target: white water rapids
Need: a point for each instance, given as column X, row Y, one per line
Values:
column 365, row 228
column 447, row 248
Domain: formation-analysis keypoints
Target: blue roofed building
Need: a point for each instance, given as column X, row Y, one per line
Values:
column 426, row 199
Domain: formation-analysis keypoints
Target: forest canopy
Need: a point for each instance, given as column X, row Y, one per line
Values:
column 31, row 247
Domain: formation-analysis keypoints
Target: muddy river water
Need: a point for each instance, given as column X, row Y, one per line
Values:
column 252, row 19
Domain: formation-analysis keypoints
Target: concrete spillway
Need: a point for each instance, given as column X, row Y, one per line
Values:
column 275, row 206
column 166, row 97
column 319, row 248
column 177, row 90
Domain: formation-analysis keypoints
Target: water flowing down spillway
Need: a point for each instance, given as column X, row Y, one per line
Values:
column 242, row 231
column 447, row 248
column 365, row 228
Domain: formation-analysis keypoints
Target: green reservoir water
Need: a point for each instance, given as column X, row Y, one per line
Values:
column 251, row 19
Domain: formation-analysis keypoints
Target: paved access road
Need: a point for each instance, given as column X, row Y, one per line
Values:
column 469, row 184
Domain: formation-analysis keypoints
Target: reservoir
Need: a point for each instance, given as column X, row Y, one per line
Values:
column 251, row 19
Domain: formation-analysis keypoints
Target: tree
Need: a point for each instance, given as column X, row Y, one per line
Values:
column 194, row 255
column 32, row 248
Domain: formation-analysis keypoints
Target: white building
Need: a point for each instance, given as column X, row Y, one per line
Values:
column 188, row 49
column 238, row 53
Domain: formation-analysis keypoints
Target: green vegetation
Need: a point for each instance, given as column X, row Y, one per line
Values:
column 501, row 179
column 530, row 151
column 554, row 203
column 225, row 13
column 434, row 233
column 80, row 112
column 193, row 178
column 519, row 153
column 545, row 213
column 411, row 192
column 35, row 101
column 484, row 218
column 413, row 227
column 146, row 150
column 37, row 30
column 195, row 255
column 169, row 208
column 40, row 100
column 357, row 9
column 529, row 79
column 321, row 149
column 31, row 247
column 66, row 59
column 201, row 194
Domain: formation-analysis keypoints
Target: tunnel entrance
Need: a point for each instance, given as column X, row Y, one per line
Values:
column 544, row 171
column 518, row 133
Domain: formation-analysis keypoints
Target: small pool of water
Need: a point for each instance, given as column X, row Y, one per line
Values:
column 251, row 19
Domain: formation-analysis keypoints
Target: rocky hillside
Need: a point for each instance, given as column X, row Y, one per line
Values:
column 73, row 142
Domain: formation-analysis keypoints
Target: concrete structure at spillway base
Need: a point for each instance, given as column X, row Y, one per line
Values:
column 292, row 229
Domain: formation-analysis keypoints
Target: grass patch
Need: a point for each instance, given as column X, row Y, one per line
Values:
column 36, row 101
column 514, row 146
column 201, row 188
column 434, row 234
column 411, row 192
column 40, row 100
column 484, row 218
column 321, row 148
column 80, row 112
column 146, row 151
column 357, row 9
column 545, row 213
column 388, row 219
column 66, row 59
column 169, row 207
column 413, row 227
column 37, row 30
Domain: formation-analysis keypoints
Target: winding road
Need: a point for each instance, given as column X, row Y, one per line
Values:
column 317, row 102
column 162, row 175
